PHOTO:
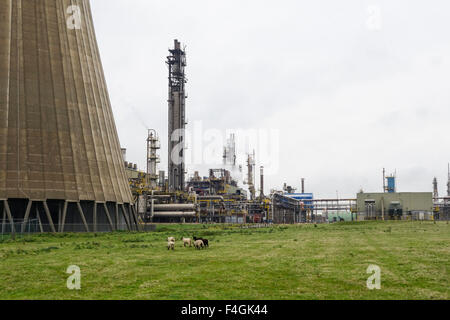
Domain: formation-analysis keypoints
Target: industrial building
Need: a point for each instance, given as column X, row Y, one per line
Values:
column 291, row 207
column 395, row 206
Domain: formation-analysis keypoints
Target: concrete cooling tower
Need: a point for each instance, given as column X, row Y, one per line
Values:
column 61, row 167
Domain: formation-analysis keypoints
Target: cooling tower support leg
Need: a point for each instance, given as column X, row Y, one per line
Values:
column 11, row 221
column 133, row 208
column 117, row 215
column 49, row 216
column 80, row 210
column 133, row 217
column 27, row 214
column 59, row 216
column 39, row 219
column 95, row 217
column 108, row 216
column 64, row 214
column 3, row 220
column 125, row 217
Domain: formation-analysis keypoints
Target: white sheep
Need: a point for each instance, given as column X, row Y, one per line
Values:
column 170, row 245
column 187, row 241
column 198, row 244
column 171, row 239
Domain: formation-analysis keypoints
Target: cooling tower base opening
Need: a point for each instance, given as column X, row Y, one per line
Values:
column 34, row 216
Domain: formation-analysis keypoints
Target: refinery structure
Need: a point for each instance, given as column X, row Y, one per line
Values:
column 62, row 166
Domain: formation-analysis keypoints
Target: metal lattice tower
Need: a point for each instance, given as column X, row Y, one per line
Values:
column 177, row 117
column 153, row 145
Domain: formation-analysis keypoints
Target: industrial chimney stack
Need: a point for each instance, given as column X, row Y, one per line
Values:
column 261, row 182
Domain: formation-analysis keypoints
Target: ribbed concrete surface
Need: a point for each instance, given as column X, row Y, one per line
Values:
column 58, row 138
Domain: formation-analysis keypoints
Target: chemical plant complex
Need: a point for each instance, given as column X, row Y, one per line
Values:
column 62, row 167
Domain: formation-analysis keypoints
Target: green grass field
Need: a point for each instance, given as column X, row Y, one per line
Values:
column 280, row 262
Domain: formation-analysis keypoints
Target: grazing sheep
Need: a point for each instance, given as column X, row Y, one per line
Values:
column 187, row 241
column 170, row 245
column 171, row 239
column 198, row 244
column 205, row 241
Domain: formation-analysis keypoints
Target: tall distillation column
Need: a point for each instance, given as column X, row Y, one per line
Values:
column 251, row 175
column 435, row 189
column 153, row 145
column 177, row 117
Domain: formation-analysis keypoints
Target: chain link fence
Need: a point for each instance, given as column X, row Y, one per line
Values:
column 18, row 229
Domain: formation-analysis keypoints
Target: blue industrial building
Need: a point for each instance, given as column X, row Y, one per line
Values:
column 306, row 198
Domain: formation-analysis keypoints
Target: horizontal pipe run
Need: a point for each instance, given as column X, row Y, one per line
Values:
column 210, row 198
column 174, row 207
column 174, row 214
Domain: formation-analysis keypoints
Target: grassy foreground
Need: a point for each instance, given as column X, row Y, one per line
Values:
column 280, row 262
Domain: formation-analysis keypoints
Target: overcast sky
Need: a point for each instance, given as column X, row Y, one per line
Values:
column 350, row 86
